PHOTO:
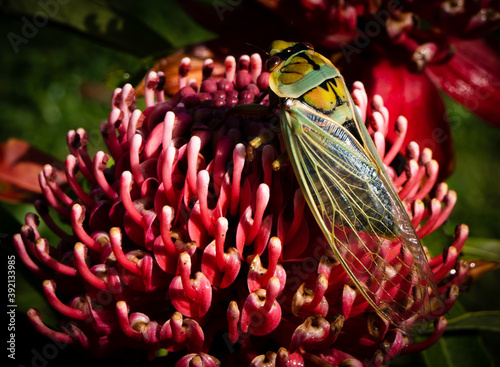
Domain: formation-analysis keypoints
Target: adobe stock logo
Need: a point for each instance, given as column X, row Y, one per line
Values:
column 30, row 27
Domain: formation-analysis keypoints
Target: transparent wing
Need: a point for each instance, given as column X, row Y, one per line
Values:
column 359, row 212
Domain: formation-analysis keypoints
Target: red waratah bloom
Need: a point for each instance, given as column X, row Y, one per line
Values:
column 179, row 242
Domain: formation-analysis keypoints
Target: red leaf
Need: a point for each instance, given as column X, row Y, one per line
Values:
column 20, row 164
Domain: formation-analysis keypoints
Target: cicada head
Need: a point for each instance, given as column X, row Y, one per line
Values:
column 294, row 68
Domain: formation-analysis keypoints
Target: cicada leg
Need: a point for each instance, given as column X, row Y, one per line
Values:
column 256, row 110
column 282, row 161
column 262, row 138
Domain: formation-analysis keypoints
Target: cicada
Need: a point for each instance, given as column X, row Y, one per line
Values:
column 347, row 187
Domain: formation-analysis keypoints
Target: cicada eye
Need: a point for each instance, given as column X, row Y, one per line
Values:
column 272, row 63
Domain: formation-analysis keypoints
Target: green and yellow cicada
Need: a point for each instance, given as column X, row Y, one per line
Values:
column 346, row 185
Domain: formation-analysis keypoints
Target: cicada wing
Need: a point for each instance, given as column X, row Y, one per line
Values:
column 359, row 212
column 405, row 231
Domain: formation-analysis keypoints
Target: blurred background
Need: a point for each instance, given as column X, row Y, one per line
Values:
column 59, row 75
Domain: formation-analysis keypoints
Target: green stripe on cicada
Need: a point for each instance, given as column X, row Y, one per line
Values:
column 346, row 185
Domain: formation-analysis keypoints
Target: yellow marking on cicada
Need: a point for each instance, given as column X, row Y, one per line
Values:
column 280, row 45
column 327, row 97
column 293, row 73
column 346, row 186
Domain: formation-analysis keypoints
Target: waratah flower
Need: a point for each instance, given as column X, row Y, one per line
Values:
column 179, row 242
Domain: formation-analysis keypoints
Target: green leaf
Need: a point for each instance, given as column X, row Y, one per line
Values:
column 482, row 249
column 457, row 310
column 482, row 320
column 457, row 351
column 96, row 19
column 168, row 19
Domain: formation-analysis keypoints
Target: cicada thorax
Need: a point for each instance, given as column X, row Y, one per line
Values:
column 299, row 72
column 362, row 200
